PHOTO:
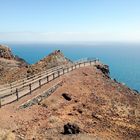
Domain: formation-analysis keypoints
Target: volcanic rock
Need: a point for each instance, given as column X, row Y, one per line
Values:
column 71, row 129
column 104, row 69
column 66, row 96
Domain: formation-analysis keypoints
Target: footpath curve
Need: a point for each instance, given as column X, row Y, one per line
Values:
column 18, row 89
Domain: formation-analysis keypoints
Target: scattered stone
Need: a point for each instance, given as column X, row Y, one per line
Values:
column 71, row 129
column 85, row 74
column 70, row 114
column 96, row 116
column 80, row 111
column 66, row 96
column 76, row 101
column 83, row 105
column 74, row 108
column 44, row 105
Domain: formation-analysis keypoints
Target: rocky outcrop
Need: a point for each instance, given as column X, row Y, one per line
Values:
column 54, row 59
column 104, row 69
column 11, row 67
column 5, row 52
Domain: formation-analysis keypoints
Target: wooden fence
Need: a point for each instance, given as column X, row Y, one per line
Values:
column 17, row 90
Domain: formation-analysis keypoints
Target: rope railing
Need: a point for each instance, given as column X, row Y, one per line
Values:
column 15, row 92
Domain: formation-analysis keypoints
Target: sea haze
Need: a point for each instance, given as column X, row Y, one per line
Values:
column 123, row 59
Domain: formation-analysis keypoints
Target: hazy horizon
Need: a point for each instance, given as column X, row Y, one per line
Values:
column 53, row 21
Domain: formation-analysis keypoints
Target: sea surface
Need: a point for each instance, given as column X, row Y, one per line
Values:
column 123, row 59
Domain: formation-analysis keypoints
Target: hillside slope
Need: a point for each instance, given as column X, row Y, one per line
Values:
column 88, row 101
column 99, row 106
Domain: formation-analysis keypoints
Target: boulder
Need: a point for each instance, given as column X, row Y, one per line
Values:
column 66, row 96
column 97, row 116
column 71, row 129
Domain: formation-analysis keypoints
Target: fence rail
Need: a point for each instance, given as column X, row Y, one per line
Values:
column 22, row 81
column 24, row 87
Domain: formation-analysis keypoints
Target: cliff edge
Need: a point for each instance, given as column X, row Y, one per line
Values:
column 9, row 64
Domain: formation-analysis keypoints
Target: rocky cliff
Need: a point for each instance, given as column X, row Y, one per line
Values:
column 5, row 52
column 14, row 68
column 9, row 64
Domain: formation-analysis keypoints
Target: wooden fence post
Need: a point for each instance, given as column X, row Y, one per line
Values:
column 17, row 93
column 0, row 103
column 58, row 73
column 47, row 78
column 39, row 75
column 23, row 82
column 53, row 75
column 11, row 87
column 40, row 83
column 30, row 88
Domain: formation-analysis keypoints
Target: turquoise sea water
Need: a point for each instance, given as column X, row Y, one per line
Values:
column 123, row 59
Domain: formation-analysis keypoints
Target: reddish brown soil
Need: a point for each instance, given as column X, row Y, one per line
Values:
column 103, row 110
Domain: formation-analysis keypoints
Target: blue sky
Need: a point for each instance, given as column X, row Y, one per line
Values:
column 69, row 20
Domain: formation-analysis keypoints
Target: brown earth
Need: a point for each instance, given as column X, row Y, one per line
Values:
column 102, row 108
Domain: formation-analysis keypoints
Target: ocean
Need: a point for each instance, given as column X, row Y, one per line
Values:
column 122, row 58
